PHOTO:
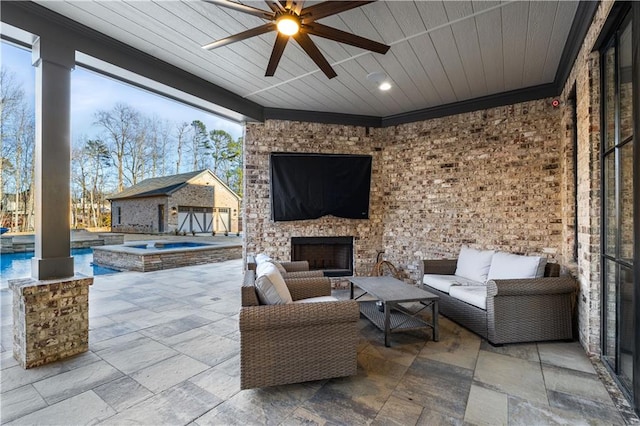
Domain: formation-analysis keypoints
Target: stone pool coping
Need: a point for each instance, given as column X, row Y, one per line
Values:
column 128, row 257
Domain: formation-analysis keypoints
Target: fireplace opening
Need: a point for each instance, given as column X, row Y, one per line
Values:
column 332, row 255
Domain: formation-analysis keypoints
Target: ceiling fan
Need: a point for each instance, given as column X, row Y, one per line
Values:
column 290, row 19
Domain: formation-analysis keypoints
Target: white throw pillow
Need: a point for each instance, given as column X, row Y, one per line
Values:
column 512, row 266
column 262, row 257
column 270, row 286
column 474, row 264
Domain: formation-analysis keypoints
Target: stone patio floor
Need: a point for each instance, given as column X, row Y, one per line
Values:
column 164, row 350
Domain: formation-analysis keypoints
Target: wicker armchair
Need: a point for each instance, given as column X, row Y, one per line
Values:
column 297, row 269
column 518, row 310
column 292, row 343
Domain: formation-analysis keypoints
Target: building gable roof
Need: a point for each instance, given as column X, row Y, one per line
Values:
column 164, row 185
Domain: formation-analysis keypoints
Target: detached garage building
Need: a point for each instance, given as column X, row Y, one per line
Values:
column 189, row 202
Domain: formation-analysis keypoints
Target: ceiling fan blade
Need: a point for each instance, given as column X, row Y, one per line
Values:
column 275, row 5
column 241, row 36
column 320, row 30
column 312, row 50
column 327, row 8
column 243, row 8
column 276, row 54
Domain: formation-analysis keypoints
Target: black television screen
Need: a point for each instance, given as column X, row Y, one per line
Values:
column 309, row 186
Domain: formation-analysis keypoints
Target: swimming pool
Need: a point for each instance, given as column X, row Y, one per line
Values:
column 18, row 265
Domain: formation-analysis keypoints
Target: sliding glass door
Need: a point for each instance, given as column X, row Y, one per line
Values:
column 619, row 193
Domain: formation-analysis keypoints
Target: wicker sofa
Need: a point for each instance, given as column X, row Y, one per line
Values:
column 517, row 310
column 296, row 342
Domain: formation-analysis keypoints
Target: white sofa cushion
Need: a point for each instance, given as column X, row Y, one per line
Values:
column 261, row 258
column 444, row 282
column 474, row 264
column 317, row 299
column 270, row 286
column 512, row 266
column 475, row 295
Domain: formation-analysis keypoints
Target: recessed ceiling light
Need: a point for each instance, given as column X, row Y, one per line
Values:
column 380, row 79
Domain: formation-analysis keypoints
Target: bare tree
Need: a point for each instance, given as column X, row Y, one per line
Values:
column 199, row 141
column 120, row 124
column 182, row 131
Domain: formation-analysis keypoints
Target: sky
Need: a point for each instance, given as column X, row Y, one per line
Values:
column 91, row 91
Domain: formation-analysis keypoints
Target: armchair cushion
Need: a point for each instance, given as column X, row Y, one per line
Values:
column 270, row 286
column 317, row 299
column 513, row 266
column 474, row 264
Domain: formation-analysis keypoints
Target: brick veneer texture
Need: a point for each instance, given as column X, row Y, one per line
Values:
column 584, row 78
column 50, row 319
column 489, row 179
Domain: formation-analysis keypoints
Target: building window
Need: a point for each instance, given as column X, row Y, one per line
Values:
column 119, row 215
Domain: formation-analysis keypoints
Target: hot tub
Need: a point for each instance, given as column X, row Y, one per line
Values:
column 148, row 256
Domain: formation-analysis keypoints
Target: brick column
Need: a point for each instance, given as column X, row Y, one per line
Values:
column 50, row 319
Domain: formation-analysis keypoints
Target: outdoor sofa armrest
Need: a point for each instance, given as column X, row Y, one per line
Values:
column 297, row 266
column 439, row 266
column 531, row 286
column 303, row 274
column 305, row 288
column 270, row 317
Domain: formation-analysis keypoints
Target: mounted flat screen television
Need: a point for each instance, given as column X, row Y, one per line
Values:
column 309, row 186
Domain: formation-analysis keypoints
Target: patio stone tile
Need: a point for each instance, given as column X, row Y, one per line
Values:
column 73, row 382
column 575, row 382
column 568, row 355
column 112, row 330
column 118, row 341
column 436, row 386
column 302, row 417
column 167, row 373
column 122, row 393
column 19, row 402
column 109, row 306
column 526, row 351
column 435, row 418
column 137, row 355
column 527, row 413
column 267, row 406
column 459, row 347
column 586, row 407
column 176, row 326
column 224, row 326
column 16, row 377
column 398, row 412
column 509, row 375
column 86, row 408
column 142, row 318
column 486, row 407
column 178, row 405
column 217, row 383
column 403, row 350
column 338, row 406
column 7, row 360
column 202, row 349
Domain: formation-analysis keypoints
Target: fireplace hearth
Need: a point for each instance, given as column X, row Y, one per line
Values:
column 332, row 255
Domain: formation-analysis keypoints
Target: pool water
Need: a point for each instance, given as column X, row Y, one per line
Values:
column 18, row 265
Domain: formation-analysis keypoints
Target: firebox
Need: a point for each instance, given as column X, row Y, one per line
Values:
column 333, row 255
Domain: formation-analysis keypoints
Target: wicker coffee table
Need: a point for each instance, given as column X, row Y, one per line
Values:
column 395, row 317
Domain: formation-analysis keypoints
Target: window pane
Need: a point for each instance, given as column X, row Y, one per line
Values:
column 626, row 202
column 609, row 186
column 627, row 338
column 609, row 98
column 610, row 312
column 626, row 86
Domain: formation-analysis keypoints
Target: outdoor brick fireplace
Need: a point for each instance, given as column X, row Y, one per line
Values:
column 333, row 255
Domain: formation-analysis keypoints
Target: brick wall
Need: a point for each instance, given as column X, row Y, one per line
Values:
column 584, row 78
column 488, row 179
column 274, row 238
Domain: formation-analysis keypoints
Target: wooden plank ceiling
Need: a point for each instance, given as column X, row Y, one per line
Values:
column 441, row 51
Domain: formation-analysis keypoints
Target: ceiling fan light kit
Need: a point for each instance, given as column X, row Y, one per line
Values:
column 290, row 19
